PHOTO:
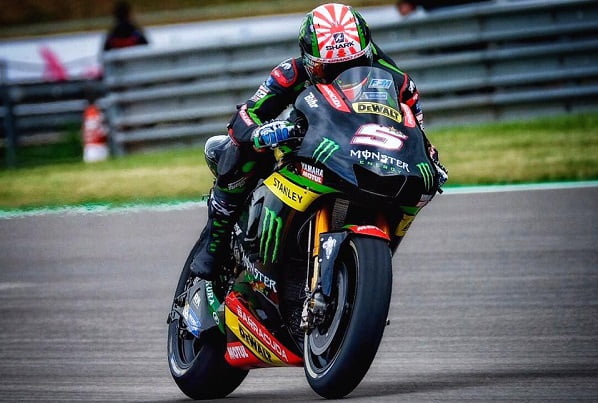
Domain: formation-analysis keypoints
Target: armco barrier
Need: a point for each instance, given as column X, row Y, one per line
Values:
column 32, row 111
column 483, row 62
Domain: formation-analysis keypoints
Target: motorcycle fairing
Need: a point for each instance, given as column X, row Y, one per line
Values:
column 237, row 355
column 258, row 241
column 258, row 244
column 261, row 234
column 296, row 191
column 255, row 337
column 198, row 315
column 288, row 192
column 374, row 135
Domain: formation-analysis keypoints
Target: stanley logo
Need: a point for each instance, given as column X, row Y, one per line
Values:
column 290, row 193
column 378, row 109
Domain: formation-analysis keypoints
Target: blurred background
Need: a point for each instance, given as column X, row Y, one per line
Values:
column 71, row 90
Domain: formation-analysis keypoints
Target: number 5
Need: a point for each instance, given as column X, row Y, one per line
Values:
column 379, row 136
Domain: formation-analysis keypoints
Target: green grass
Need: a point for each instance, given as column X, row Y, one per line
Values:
column 547, row 149
column 161, row 176
column 562, row 148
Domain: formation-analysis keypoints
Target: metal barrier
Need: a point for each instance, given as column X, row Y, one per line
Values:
column 486, row 61
column 482, row 62
column 35, row 112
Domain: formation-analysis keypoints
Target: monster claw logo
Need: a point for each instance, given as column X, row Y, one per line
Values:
column 325, row 150
column 426, row 172
column 271, row 229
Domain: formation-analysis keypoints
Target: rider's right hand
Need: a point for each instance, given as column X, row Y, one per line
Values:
column 442, row 172
column 272, row 133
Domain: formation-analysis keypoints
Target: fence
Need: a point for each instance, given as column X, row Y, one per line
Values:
column 489, row 61
column 482, row 62
column 35, row 112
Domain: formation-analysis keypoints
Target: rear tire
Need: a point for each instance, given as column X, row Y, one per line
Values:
column 197, row 365
column 338, row 354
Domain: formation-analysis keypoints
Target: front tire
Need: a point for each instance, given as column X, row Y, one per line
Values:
column 339, row 353
column 197, row 365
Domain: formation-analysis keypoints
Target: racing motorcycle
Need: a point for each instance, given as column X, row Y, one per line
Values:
column 309, row 279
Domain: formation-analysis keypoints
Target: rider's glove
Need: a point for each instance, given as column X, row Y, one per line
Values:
column 272, row 133
column 442, row 173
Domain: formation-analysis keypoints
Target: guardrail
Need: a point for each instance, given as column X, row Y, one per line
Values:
column 35, row 112
column 487, row 61
column 482, row 62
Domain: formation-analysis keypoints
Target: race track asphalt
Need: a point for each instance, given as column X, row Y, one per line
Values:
column 495, row 297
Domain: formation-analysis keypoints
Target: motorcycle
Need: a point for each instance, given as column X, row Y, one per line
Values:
column 309, row 279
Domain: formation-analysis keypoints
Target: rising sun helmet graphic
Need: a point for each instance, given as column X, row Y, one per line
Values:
column 333, row 38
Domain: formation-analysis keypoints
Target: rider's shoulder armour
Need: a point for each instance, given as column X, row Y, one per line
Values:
column 287, row 74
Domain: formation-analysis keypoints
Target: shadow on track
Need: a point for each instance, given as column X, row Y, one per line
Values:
column 441, row 382
column 457, row 380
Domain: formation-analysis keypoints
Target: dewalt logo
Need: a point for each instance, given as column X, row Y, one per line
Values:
column 378, row 109
column 325, row 150
column 427, row 174
column 255, row 345
column 271, row 231
column 246, row 337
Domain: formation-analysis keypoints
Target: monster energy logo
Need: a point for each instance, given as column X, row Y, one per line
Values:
column 427, row 174
column 326, row 148
column 271, row 228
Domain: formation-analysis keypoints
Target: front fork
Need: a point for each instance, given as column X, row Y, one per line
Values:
column 314, row 307
column 323, row 248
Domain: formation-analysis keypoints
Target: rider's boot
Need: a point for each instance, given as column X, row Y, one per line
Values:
column 214, row 241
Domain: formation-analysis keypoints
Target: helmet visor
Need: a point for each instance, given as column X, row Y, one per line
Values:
column 324, row 71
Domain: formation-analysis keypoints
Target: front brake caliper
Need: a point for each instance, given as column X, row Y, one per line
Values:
column 314, row 311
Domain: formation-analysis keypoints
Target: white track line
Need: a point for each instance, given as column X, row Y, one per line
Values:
column 108, row 209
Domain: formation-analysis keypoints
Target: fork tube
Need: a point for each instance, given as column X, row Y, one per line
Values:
column 322, row 224
column 382, row 223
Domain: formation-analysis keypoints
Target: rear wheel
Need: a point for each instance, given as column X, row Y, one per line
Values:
column 197, row 364
column 339, row 352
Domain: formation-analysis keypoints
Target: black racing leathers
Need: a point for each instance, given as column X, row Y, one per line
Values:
column 241, row 165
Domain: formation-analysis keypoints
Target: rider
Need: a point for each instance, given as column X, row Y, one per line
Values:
column 333, row 38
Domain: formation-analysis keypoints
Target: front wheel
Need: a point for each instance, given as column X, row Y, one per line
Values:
column 197, row 364
column 339, row 352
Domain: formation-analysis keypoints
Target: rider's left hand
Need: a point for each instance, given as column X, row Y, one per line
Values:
column 272, row 133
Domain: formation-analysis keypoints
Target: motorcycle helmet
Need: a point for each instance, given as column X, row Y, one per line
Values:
column 333, row 38
column 213, row 149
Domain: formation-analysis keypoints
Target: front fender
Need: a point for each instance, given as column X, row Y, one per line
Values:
column 330, row 246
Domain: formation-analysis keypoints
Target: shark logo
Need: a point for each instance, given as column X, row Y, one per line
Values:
column 339, row 37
